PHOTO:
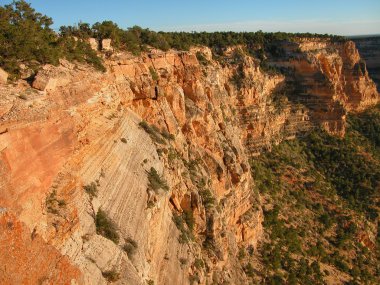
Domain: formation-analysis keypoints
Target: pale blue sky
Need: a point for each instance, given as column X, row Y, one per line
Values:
column 344, row 17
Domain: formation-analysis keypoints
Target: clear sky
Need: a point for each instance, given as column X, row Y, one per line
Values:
column 343, row 17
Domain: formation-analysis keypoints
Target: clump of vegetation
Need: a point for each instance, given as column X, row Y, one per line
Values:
column 183, row 261
column 53, row 204
column 189, row 219
column 130, row 247
column 123, row 140
column 202, row 58
column 241, row 254
column 153, row 132
column 167, row 135
column 173, row 154
column 156, row 181
column 238, row 77
column 106, row 227
column 91, row 189
column 199, row 263
column 249, row 271
column 23, row 97
column 111, row 275
column 266, row 180
column 153, row 73
column 208, row 198
column 80, row 51
column 186, row 233
column 194, row 279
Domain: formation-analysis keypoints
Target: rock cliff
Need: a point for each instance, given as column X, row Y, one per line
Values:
column 194, row 119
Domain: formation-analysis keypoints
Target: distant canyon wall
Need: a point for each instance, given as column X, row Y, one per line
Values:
column 370, row 52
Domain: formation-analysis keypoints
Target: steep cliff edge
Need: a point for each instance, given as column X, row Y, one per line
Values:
column 161, row 143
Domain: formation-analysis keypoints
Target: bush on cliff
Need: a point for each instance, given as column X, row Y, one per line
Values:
column 111, row 275
column 153, row 132
column 130, row 247
column 106, row 227
column 91, row 189
column 156, row 181
column 184, row 226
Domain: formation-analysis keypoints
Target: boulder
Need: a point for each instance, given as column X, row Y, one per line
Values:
column 93, row 43
column 106, row 45
column 44, row 83
column 3, row 76
column 25, row 71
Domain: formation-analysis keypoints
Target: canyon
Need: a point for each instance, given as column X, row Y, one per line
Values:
column 367, row 46
column 195, row 118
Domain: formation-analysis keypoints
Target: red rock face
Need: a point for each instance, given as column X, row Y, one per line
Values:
column 31, row 158
column 27, row 259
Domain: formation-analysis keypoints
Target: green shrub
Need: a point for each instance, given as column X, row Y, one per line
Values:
column 106, row 227
column 156, row 181
column 189, row 219
column 270, row 69
column 91, row 189
column 152, row 131
column 326, row 220
column 79, row 51
column 199, row 263
column 130, row 247
column 153, row 73
column 241, row 253
column 238, row 77
column 249, row 271
column 194, row 279
column 183, row 261
column 173, row 155
column 201, row 58
column 111, row 275
column 185, row 235
column 167, row 135
column 23, row 97
column 207, row 198
column 53, row 204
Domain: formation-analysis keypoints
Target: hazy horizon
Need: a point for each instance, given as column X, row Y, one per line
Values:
column 348, row 18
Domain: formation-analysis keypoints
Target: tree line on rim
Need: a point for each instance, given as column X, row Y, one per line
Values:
column 27, row 38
